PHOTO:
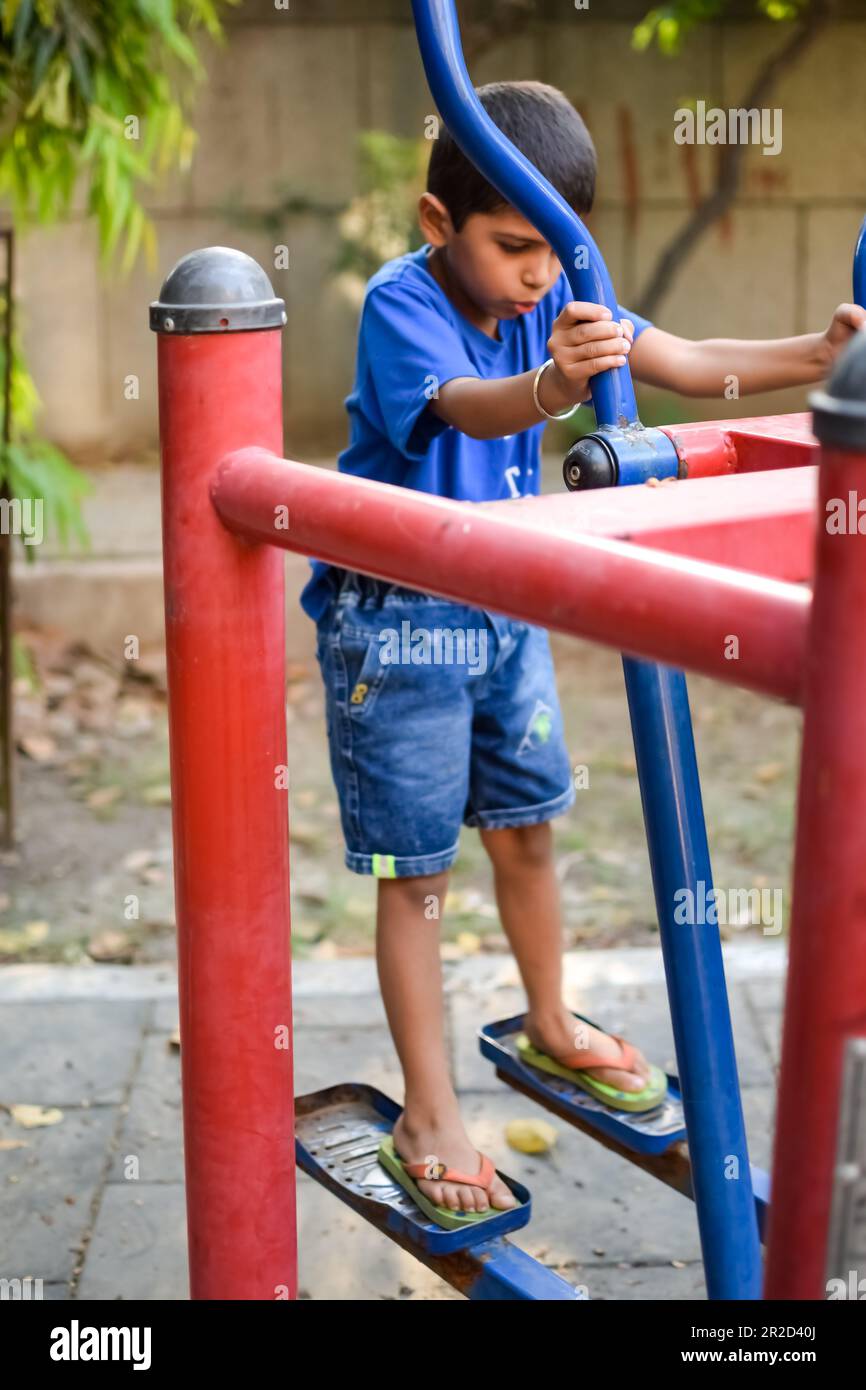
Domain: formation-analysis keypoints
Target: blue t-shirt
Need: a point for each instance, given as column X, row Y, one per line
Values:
column 411, row 341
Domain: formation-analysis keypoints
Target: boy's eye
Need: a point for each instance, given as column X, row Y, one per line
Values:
column 511, row 248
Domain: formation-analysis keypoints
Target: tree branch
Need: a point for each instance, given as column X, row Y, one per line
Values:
column 508, row 19
column 731, row 159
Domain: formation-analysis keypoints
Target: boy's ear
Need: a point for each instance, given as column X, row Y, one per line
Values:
column 434, row 220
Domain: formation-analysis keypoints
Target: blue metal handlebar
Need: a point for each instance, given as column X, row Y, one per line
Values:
column 860, row 268
column 521, row 185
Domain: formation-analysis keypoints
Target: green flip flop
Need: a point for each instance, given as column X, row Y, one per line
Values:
column 634, row 1101
column 406, row 1173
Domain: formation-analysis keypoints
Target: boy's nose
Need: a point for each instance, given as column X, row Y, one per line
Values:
column 536, row 277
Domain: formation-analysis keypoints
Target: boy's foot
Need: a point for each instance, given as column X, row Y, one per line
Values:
column 449, row 1143
column 567, row 1039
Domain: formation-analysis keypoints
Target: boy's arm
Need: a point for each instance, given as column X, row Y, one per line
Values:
column 705, row 368
column 584, row 341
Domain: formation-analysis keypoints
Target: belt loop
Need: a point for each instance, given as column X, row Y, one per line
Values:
column 342, row 589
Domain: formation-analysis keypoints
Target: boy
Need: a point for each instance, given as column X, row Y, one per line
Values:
column 449, row 399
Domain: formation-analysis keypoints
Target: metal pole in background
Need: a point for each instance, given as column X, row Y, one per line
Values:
column 7, row 756
column 860, row 268
column 818, row 1209
column 220, row 387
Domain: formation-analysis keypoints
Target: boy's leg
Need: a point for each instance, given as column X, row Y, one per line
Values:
column 521, row 777
column 527, row 894
column 410, row 976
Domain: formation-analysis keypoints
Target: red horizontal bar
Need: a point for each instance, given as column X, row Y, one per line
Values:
column 713, row 447
column 760, row 522
column 668, row 608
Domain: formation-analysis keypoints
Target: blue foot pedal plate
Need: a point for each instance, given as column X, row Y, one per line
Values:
column 337, row 1135
column 648, row 1132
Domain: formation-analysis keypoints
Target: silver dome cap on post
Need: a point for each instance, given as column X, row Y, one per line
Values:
column 216, row 290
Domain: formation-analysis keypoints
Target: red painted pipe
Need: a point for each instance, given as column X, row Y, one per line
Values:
column 708, row 448
column 826, row 989
column 642, row 602
column 225, row 623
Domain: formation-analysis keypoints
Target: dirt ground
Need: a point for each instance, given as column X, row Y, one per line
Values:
column 91, row 873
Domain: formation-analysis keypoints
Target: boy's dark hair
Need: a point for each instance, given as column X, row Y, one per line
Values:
column 543, row 124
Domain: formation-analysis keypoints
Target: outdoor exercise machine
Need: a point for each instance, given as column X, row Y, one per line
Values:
column 664, row 575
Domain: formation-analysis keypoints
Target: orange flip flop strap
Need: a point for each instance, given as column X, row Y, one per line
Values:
column 624, row 1063
column 482, row 1179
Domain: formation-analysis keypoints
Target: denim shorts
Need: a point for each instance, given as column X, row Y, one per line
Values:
column 438, row 715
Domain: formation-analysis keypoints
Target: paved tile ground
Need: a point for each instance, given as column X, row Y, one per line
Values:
column 94, row 1042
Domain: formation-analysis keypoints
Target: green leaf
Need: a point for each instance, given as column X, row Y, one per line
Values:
column 81, row 68
column 70, row 72
column 55, row 105
column 38, row 470
column 22, row 24
column 133, row 238
column 44, row 52
column 10, row 10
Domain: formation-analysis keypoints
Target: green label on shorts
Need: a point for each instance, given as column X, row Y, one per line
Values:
column 383, row 866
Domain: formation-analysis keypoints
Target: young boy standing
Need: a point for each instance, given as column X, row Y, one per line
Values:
column 452, row 392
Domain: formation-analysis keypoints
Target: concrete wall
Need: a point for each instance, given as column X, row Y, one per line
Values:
column 280, row 112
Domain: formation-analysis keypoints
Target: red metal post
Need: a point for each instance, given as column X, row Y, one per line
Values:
column 825, row 1009
column 220, row 388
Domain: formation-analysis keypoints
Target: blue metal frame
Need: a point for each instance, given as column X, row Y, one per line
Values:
column 694, row 970
column 860, row 268
column 661, row 724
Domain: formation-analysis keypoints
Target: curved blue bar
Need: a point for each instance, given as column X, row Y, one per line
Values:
column 860, row 268
column 521, row 184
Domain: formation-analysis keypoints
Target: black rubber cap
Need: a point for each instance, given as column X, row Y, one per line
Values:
column 839, row 418
column 589, row 463
column 216, row 290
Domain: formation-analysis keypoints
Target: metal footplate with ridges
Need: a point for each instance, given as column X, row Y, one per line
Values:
column 648, row 1132
column 337, row 1135
column 654, row 1140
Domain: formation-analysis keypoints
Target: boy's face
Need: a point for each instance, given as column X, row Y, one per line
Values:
column 498, row 259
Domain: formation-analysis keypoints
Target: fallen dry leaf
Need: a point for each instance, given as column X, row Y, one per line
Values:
column 39, row 747
column 138, row 859
column 12, row 941
column 769, row 772
column 34, row 1116
column 530, row 1136
column 103, row 796
column 159, row 795
column 324, row 950
column 111, row 945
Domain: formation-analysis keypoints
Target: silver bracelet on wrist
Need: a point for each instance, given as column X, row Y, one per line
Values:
column 539, row 407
